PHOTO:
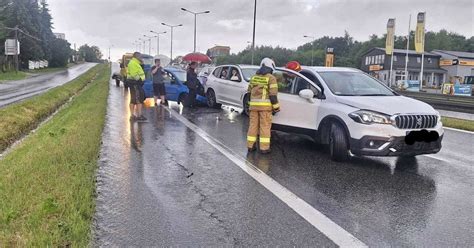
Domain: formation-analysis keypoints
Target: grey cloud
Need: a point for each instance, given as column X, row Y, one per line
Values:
column 279, row 22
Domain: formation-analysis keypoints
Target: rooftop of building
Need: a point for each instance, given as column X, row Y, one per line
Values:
column 465, row 55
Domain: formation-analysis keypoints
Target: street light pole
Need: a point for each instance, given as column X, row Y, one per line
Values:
column 171, row 27
column 140, row 45
column 254, row 21
column 312, row 48
column 157, row 40
column 149, row 42
column 195, row 20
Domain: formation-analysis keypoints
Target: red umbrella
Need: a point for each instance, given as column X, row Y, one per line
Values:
column 197, row 57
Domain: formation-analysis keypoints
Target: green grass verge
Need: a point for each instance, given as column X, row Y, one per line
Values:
column 47, row 183
column 11, row 75
column 458, row 123
column 18, row 119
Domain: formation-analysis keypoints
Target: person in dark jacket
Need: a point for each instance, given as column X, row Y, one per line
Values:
column 193, row 84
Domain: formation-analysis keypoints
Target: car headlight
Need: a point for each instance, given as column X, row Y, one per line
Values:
column 438, row 115
column 370, row 117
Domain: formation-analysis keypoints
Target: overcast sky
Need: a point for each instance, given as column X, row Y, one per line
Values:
column 279, row 22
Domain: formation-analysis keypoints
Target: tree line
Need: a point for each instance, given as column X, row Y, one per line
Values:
column 347, row 51
column 37, row 41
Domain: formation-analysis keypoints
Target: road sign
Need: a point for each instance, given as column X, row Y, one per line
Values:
column 12, row 47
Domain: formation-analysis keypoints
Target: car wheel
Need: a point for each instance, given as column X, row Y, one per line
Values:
column 182, row 98
column 246, row 107
column 211, row 99
column 117, row 82
column 338, row 147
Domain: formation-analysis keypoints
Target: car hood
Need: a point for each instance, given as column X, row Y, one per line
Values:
column 387, row 104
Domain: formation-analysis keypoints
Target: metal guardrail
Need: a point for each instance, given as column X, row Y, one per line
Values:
column 464, row 104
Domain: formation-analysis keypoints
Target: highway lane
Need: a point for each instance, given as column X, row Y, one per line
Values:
column 14, row 91
column 383, row 201
column 161, row 183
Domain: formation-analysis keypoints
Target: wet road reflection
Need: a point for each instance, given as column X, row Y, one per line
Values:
column 159, row 183
column 15, row 91
column 384, row 201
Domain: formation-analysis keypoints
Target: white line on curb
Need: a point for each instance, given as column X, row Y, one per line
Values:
column 321, row 222
column 458, row 130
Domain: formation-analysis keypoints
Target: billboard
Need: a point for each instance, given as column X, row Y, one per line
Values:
column 329, row 57
column 12, row 47
column 389, row 41
column 420, row 33
column 463, row 89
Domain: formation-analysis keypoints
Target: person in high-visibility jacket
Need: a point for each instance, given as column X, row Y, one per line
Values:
column 136, row 79
column 263, row 89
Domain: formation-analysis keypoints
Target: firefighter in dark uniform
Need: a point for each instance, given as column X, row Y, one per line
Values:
column 263, row 89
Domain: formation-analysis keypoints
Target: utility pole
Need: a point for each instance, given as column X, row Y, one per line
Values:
column 254, row 21
column 195, row 20
column 312, row 47
column 17, row 64
column 171, row 48
column 157, row 40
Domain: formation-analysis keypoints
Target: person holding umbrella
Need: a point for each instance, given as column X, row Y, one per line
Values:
column 193, row 84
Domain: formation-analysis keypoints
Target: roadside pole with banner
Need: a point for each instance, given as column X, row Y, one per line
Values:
column 408, row 47
column 389, row 45
column 329, row 57
column 420, row 41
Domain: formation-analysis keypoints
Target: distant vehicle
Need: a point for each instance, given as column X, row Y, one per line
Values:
column 344, row 108
column 222, row 88
column 122, row 76
column 123, row 70
column 204, row 74
column 176, row 90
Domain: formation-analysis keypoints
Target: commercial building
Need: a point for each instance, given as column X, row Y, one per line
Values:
column 217, row 51
column 377, row 63
column 457, row 64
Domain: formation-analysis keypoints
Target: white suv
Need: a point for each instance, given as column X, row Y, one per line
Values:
column 353, row 113
column 227, row 84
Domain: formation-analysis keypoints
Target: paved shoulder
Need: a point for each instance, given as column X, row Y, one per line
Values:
column 15, row 91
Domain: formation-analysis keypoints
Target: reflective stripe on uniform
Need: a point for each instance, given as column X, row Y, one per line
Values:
column 259, row 80
column 259, row 100
column 273, row 86
column 264, row 140
column 275, row 106
column 260, row 103
column 251, row 138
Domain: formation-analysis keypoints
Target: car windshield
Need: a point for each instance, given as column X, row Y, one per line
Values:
column 248, row 73
column 148, row 61
column 181, row 75
column 354, row 84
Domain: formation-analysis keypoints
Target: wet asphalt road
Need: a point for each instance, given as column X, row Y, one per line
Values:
column 15, row 91
column 161, row 184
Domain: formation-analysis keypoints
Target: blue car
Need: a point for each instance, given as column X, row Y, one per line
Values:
column 174, row 84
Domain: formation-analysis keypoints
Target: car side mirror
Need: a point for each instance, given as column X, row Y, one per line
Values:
column 307, row 94
column 320, row 94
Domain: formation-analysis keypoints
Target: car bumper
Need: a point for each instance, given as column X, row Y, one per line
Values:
column 393, row 146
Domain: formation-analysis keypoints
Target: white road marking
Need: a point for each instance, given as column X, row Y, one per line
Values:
column 438, row 158
column 458, row 130
column 321, row 222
